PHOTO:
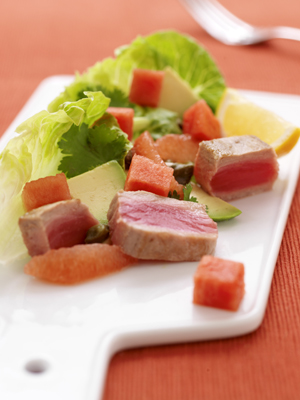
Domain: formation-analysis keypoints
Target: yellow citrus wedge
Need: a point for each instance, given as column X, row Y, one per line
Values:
column 239, row 116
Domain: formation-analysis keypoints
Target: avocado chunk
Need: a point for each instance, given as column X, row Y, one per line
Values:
column 217, row 209
column 176, row 94
column 96, row 188
column 140, row 123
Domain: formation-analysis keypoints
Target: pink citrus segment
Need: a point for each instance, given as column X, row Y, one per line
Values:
column 177, row 148
column 79, row 263
column 144, row 146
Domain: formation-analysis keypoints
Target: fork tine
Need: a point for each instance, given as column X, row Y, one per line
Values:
column 223, row 15
column 229, row 29
column 215, row 18
column 201, row 16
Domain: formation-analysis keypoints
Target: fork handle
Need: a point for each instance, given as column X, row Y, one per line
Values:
column 285, row 32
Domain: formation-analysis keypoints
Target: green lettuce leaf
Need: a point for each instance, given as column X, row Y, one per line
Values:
column 100, row 75
column 116, row 96
column 157, row 121
column 182, row 53
column 35, row 153
column 157, row 51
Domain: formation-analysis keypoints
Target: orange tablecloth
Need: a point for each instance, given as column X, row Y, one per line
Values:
column 43, row 38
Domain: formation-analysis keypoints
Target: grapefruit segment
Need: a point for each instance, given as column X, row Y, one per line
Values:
column 177, row 148
column 144, row 146
column 79, row 263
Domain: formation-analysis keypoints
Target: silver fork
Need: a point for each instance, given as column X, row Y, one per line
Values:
column 229, row 29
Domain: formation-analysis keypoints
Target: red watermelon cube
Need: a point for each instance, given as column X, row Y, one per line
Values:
column 124, row 116
column 146, row 87
column 200, row 122
column 44, row 191
column 145, row 174
column 144, row 146
column 219, row 283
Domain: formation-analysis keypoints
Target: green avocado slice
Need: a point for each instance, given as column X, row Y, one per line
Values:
column 97, row 188
column 217, row 209
column 176, row 94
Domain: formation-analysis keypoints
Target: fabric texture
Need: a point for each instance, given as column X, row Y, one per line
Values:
column 44, row 38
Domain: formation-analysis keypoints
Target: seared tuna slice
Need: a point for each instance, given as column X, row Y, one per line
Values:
column 152, row 227
column 61, row 224
column 235, row 167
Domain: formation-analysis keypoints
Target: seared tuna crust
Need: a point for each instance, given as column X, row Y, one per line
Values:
column 152, row 227
column 235, row 167
column 61, row 224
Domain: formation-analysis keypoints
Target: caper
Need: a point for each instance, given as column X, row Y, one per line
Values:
column 128, row 157
column 182, row 172
column 97, row 234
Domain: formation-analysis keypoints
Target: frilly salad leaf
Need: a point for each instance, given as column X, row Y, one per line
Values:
column 36, row 153
column 157, row 121
column 157, row 51
column 116, row 96
column 187, row 194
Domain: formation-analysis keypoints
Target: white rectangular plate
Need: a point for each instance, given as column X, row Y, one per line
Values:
column 70, row 333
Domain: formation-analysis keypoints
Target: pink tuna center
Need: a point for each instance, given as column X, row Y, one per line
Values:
column 243, row 175
column 69, row 230
column 166, row 216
